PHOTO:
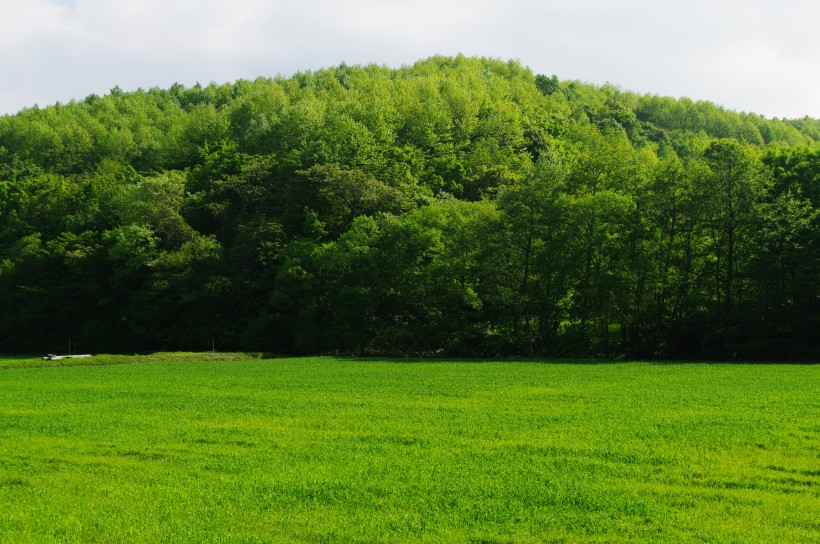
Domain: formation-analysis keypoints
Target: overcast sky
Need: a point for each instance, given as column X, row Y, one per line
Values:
column 748, row 55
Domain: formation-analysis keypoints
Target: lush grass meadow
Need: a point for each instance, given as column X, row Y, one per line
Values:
column 243, row 449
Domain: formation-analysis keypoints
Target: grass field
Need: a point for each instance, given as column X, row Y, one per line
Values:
column 332, row 450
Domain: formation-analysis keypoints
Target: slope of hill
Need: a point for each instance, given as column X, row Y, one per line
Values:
column 457, row 206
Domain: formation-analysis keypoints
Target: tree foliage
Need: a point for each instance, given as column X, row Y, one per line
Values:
column 457, row 206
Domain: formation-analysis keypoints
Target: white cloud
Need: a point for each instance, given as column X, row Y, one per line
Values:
column 753, row 55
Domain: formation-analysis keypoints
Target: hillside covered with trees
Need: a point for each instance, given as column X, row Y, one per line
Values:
column 458, row 206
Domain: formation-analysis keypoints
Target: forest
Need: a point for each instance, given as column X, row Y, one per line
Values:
column 460, row 207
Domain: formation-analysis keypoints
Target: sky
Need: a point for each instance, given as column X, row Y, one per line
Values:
column 761, row 56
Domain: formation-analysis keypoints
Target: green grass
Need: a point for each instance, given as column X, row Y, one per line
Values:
column 31, row 361
column 346, row 450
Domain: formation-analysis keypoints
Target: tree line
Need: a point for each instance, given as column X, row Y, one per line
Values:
column 454, row 207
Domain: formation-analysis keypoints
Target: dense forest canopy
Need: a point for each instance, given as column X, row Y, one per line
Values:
column 458, row 206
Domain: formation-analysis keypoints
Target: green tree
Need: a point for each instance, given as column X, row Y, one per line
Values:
column 735, row 188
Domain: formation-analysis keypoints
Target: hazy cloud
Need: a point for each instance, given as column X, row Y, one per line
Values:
column 754, row 55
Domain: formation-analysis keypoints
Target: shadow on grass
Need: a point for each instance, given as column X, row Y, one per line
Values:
column 16, row 361
column 479, row 360
column 564, row 361
column 29, row 361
